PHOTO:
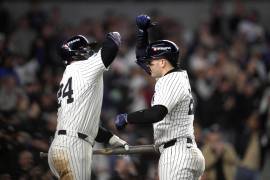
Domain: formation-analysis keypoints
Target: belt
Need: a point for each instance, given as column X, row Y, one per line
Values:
column 173, row 141
column 80, row 135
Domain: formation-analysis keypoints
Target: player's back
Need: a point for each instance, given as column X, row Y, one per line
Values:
column 80, row 96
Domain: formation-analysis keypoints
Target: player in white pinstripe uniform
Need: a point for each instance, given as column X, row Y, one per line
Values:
column 79, row 99
column 171, row 110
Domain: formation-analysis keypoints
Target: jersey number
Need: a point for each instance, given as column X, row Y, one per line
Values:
column 191, row 104
column 191, row 107
column 66, row 92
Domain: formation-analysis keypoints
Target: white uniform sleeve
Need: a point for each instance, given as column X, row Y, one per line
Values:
column 92, row 67
column 168, row 92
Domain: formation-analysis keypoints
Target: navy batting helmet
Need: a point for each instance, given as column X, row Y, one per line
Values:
column 163, row 49
column 76, row 48
column 160, row 49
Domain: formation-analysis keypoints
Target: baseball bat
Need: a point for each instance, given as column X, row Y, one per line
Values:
column 139, row 149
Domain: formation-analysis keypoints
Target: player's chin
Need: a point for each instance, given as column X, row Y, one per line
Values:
column 154, row 75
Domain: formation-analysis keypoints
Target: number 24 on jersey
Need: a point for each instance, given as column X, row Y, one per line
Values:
column 67, row 92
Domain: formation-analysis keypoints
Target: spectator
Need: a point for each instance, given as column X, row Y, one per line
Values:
column 25, row 165
column 220, row 157
column 22, row 38
column 124, row 169
column 250, row 157
column 9, row 94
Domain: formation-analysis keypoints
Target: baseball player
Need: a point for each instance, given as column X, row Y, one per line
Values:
column 171, row 111
column 79, row 105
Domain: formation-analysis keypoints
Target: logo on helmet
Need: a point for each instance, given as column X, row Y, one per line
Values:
column 161, row 48
column 73, row 41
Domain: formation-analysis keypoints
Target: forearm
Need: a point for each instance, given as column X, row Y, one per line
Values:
column 109, row 49
column 103, row 135
column 141, row 43
column 147, row 116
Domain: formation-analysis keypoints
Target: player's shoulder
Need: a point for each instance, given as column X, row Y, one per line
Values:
column 174, row 75
column 96, row 55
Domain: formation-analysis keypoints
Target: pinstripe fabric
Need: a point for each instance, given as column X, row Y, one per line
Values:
column 80, row 99
column 70, row 158
column 173, row 91
column 83, row 114
column 180, row 161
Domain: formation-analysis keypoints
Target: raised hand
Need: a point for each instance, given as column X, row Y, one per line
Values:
column 143, row 22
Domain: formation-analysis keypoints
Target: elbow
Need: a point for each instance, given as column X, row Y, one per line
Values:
column 108, row 52
column 159, row 117
column 160, row 113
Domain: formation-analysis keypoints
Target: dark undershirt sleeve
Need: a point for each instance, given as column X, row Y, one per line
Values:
column 148, row 116
column 103, row 135
column 108, row 51
column 141, row 43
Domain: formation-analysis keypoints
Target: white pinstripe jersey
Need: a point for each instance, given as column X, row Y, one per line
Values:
column 173, row 91
column 80, row 96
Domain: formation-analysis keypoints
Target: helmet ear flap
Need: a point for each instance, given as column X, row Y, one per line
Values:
column 82, row 54
column 65, row 52
column 76, row 53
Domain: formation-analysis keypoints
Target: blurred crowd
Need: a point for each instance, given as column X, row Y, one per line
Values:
column 228, row 60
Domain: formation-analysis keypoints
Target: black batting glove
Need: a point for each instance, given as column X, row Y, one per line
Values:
column 121, row 121
column 143, row 22
column 116, row 37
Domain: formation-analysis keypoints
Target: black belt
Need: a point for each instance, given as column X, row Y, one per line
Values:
column 80, row 135
column 173, row 141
